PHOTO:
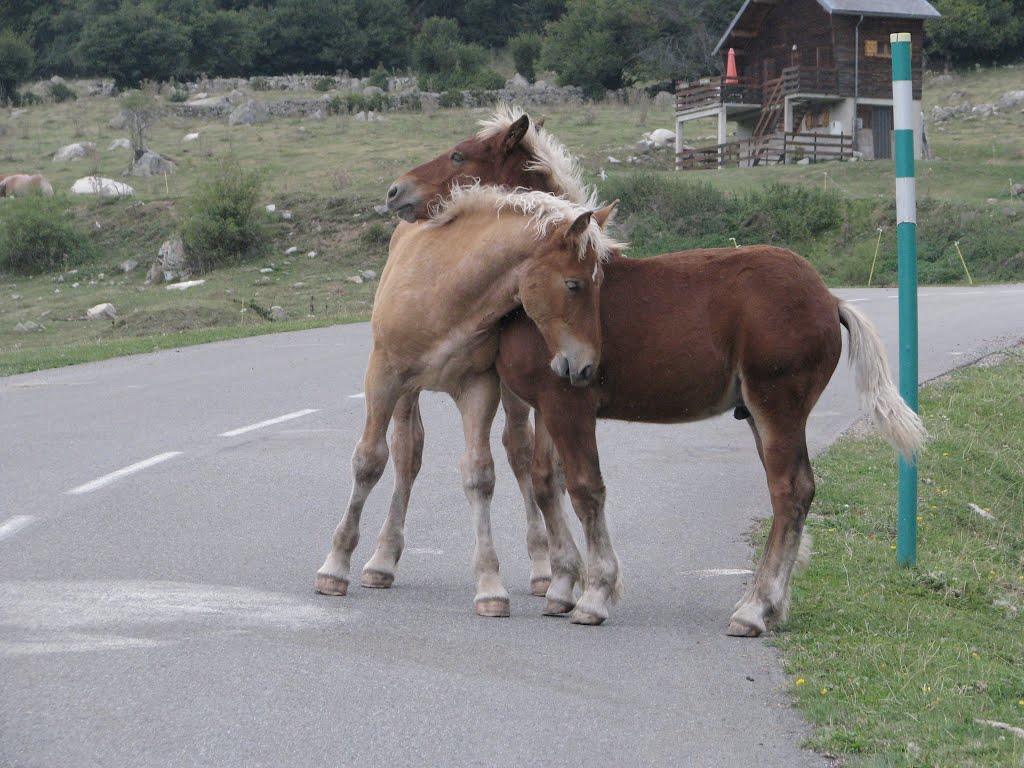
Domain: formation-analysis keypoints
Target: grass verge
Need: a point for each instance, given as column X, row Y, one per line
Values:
column 898, row 666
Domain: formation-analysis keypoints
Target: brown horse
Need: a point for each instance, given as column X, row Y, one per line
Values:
column 412, row 194
column 20, row 184
column 483, row 254
column 686, row 336
column 507, row 152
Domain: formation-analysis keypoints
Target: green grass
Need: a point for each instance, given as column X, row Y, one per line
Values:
column 892, row 665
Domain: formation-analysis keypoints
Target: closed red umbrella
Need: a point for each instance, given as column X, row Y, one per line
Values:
column 730, row 68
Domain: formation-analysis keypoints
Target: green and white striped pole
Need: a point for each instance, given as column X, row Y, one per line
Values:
column 906, row 244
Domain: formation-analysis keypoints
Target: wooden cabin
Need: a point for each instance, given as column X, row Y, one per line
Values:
column 809, row 78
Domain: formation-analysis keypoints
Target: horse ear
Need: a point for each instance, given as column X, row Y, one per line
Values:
column 539, row 122
column 606, row 214
column 515, row 134
column 579, row 226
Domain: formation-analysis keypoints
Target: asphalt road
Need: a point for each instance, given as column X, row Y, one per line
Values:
column 164, row 615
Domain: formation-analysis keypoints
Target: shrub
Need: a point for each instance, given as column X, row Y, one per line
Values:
column 60, row 93
column 323, row 84
column 451, row 99
column 379, row 77
column 356, row 102
column 259, row 84
column 38, row 235
column 223, row 222
column 789, row 214
column 376, row 235
column 525, row 50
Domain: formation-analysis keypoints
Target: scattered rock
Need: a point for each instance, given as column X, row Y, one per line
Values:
column 75, row 151
column 172, row 256
column 1017, row 190
column 100, row 185
column 155, row 276
column 613, row 161
column 184, row 285
column 290, row 251
column 119, row 144
column 104, row 311
column 299, row 285
column 151, row 164
column 27, row 327
column 663, row 137
column 355, row 279
column 980, row 512
column 311, row 255
column 250, row 113
column 129, row 265
column 264, row 281
column 286, row 215
column 267, row 270
column 190, row 137
column 368, row 275
column 1010, row 100
column 278, row 313
column 381, row 210
column 271, row 208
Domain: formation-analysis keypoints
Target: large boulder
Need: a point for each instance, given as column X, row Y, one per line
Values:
column 663, row 137
column 250, row 113
column 75, row 151
column 98, row 185
column 172, row 256
column 151, row 164
column 1010, row 100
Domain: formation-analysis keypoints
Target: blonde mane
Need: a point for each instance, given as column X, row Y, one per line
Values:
column 543, row 211
column 550, row 156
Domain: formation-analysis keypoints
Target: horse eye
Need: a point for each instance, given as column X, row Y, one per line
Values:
column 458, row 158
column 573, row 286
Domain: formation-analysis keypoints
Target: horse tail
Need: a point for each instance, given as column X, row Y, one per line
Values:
column 894, row 419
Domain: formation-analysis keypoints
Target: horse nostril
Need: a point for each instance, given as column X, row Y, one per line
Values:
column 393, row 192
column 585, row 372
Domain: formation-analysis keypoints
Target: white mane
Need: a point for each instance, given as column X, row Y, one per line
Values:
column 550, row 156
column 543, row 211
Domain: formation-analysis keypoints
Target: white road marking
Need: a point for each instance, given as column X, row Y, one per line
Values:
column 129, row 470
column 357, row 396
column 718, row 572
column 268, row 422
column 14, row 525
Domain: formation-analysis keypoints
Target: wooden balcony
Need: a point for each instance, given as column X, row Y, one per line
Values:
column 746, row 93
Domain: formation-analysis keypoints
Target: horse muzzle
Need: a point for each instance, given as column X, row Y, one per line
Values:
column 578, row 376
column 403, row 200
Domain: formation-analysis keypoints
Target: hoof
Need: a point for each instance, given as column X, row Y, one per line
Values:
column 586, row 618
column 375, row 579
column 740, row 628
column 330, row 585
column 553, row 607
column 493, row 608
column 539, row 585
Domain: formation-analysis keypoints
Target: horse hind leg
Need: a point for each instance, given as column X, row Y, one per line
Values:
column 519, row 444
column 783, row 449
column 407, row 457
column 368, row 463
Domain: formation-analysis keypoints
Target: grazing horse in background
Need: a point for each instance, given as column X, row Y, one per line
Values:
column 507, row 151
column 20, row 184
column 687, row 336
column 485, row 253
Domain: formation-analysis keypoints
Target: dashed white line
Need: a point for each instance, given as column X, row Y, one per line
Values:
column 268, row 422
column 719, row 572
column 357, row 396
column 15, row 524
column 99, row 482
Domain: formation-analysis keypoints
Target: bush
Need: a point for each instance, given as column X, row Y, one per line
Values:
column 224, row 223
column 525, row 50
column 38, row 235
column 323, row 84
column 259, row 84
column 451, row 99
column 379, row 77
column 789, row 214
column 60, row 93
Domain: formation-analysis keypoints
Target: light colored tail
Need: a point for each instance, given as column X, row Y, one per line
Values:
column 894, row 419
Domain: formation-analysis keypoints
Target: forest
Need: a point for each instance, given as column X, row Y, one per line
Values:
column 594, row 44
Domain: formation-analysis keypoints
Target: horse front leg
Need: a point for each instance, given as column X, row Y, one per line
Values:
column 368, row 463
column 477, row 400
column 519, row 447
column 407, row 457
column 549, row 488
column 791, row 485
column 573, row 432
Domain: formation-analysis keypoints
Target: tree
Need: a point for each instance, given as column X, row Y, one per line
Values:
column 315, row 36
column 223, row 44
column 525, row 50
column 972, row 31
column 133, row 44
column 16, row 59
column 141, row 109
column 594, row 43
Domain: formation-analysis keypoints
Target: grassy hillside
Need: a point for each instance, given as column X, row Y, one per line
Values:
column 331, row 172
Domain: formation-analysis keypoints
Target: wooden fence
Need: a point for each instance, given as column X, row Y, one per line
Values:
column 768, row 150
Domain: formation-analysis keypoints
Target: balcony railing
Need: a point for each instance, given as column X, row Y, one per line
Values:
column 711, row 92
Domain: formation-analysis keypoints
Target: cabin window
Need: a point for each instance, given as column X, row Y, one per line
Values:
column 817, row 119
column 877, row 49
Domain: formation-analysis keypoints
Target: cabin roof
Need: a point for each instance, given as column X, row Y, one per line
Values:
column 902, row 9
